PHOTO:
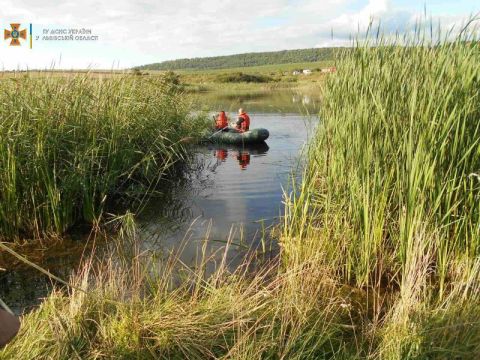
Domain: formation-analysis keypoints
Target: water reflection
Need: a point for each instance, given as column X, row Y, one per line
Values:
column 263, row 101
column 228, row 185
column 302, row 99
column 240, row 153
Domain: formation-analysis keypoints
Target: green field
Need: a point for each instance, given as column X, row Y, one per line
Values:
column 263, row 69
column 276, row 76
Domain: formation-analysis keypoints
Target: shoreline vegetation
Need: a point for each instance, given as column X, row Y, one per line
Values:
column 379, row 243
column 71, row 146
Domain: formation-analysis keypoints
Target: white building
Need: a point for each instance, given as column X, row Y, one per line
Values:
column 307, row 72
column 296, row 72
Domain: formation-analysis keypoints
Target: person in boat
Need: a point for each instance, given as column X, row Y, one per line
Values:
column 243, row 121
column 221, row 122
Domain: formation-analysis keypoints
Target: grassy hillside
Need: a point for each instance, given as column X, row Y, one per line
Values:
column 244, row 60
column 278, row 75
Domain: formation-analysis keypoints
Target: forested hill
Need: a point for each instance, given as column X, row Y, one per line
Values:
column 248, row 59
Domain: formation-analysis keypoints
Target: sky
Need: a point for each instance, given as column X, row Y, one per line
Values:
column 119, row 34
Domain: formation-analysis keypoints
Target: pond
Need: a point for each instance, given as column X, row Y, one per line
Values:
column 229, row 192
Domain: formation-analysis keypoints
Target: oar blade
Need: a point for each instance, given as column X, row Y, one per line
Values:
column 9, row 326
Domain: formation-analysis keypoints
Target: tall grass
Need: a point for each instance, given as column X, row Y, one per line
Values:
column 397, row 158
column 71, row 145
column 132, row 305
column 391, row 196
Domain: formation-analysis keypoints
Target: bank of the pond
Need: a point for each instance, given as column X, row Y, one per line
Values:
column 70, row 146
column 379, row 246
column 222, row 191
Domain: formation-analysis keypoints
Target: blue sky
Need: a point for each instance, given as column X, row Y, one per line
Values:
column 137, row 32
column 445, row 7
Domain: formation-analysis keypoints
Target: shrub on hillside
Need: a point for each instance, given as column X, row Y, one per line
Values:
column 241, row 77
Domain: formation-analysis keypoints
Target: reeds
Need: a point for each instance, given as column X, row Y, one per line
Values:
column 391, row 195
column 70, row 146
column 396, row 157
column 133, row 305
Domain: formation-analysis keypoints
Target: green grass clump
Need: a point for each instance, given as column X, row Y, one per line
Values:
column 71, row 145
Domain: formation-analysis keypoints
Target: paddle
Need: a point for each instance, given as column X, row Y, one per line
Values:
column 216, row 132
column 9, row 326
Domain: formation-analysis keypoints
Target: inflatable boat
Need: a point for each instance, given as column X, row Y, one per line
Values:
column 233, row 136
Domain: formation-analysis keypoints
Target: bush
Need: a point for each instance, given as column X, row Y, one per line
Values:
column 241, row 77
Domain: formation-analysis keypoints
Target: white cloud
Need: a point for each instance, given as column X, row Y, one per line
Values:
column 138, row 32
column 392, row 20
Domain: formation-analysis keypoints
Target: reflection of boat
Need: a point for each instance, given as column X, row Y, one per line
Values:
column 234, row 137
column 241, row 153
column 253, row 149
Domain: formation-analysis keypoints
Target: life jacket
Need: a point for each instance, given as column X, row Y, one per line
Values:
column 245, row 125
column 221, row 121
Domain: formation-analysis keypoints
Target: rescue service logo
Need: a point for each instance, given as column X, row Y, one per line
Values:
column 15, row 34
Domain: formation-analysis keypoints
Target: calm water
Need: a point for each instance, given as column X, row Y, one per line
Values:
column 234, row 191
column 229, row 192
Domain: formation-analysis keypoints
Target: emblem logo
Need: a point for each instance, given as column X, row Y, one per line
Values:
column 15, row 34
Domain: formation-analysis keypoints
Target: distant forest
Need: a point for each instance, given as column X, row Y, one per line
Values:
column 248, row 59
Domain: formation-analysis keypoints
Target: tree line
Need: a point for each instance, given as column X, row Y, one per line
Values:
column 247, row 59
